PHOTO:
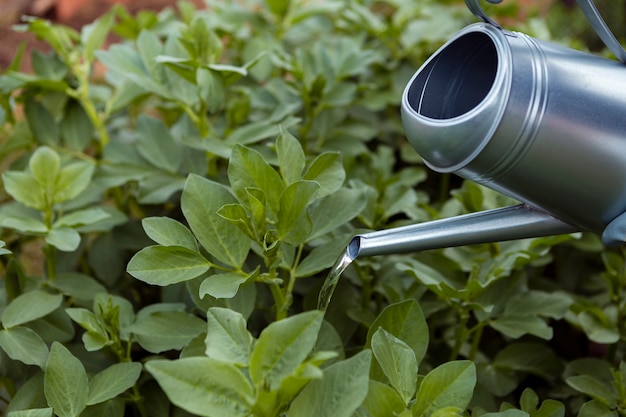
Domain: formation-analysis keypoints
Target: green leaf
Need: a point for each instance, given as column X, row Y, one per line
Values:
column 64, row 239
column 258, row 211
column 149, row 47
column 397, row 361
column 113, row 381
column 278, row 7
column 76, row 127
column 294, row 224
column 338, row 393
column 166, row 265
column 227, row 68
column 598, row 327
column 166, row 330
column 322, row 257
column 23, row 187
column 596, row 409
column 431, row 278
column 48, row 66
column 342, row 94
column 96, row 337
column 61, row 38
column 94, row 34
column 200, row 201
column 211, row 89
column 528, row 357
column 517, row 326
column 24, row 345
column 30, row 395
column 540, row 303
column 228, row 340
column 169, row 232
column 73, row 179
column 223, row 285
column 382, row 400
column 158, row 186
column 112, row 408
column 41, row 123
column 594, row 388
column 282, row 347
column 3, row 249
column 65, row 382
column 449, row 385
column 335, row 210
column 405, row 321
column 26, row 225
column 237, row 215
column 247, row 169
column 529, row 400
column 291, row 158
column 55, row 326
column 328, row 171
column 157, row 145
column 81, row 218
column 551, row 408
column 87, row 319
column 45, row 164
column 34, row 412
column 254, row 132
column 123, row 59
column 204, row 386
column 30, row 306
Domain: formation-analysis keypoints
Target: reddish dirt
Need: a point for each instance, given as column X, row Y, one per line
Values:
column 74, row 13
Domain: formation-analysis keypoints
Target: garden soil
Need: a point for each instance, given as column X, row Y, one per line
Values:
column 74, row 13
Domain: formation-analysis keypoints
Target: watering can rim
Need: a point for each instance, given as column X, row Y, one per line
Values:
column 494, row 102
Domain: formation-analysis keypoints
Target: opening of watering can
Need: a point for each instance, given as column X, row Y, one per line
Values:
column 458, row 79
column 455, row 101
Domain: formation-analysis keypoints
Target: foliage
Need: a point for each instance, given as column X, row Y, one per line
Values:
column 166, row 230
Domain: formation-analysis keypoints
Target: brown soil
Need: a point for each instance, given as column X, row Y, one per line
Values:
column 74, row 13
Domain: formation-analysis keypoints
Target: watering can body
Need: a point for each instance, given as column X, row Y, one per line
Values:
column 536, row 121
column 541, row 123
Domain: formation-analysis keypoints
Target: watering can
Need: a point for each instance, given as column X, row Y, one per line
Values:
column 538, row 122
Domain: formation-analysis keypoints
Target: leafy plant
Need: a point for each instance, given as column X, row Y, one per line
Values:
column 166, row 230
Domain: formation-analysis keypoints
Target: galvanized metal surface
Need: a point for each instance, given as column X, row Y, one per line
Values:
column 536, row 121
column 509, row 223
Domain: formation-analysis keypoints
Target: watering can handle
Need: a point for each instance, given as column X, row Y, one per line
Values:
column 602, row 29
column 588, row 8
column 475, row 8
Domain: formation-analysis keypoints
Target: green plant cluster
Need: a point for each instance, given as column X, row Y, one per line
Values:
column 166, row 230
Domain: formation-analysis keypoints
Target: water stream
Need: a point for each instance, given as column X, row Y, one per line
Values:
column 332, row 279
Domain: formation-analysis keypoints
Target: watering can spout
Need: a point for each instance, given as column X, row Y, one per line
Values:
column 508, row 223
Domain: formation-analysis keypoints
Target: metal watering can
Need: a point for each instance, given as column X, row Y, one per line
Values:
column 541, row 123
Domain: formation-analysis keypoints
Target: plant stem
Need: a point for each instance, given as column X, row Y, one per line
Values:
column 138, row 401
column 82, row 95
column 51, row 262
column 444, row 188
column 279, row 301
column 292, row 272
column 97, row 121
column 461, row 334
column 478, row 334
column 620, row 302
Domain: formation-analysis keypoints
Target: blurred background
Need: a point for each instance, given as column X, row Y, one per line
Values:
column 74, row 13
column 564, row 19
